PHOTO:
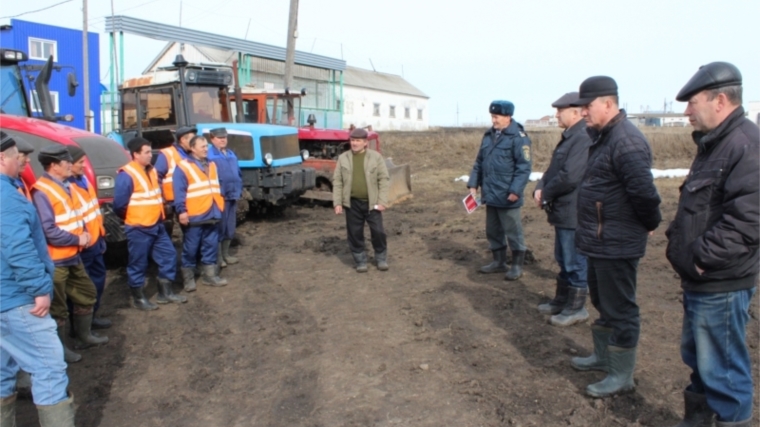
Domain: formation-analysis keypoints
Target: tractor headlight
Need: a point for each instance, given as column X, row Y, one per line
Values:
column 268, row 159
column 305, row 154
column 105, row 182
column 191, row 76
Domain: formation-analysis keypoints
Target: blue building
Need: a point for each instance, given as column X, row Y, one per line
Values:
column 40, row 41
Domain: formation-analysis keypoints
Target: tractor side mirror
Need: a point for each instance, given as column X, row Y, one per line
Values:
column 72, row 84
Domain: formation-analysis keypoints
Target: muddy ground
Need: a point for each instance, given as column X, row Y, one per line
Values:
column 299, row 339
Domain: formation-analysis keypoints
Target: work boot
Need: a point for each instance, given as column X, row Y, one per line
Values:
column 210, row 277
column 100, row 323
column 499, row 263
column 620, row 364
column 514, row 273
column 166, row 293
column 220, row 262
column 83, row 327
column 58, row 415
column 23, row 386
column 382, row 260
column 140, row 301
column 360, row 259
column 188, row 279
column 68, row 355
column 556, row 305
column 696, row 411
column 598, row 360
column 8, row 411
column 745, row 423
column 226, row 257
column 575, row 309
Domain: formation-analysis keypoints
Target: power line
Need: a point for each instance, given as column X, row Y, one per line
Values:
column 35, row 11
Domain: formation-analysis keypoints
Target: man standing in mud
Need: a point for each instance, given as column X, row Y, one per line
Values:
column 501, row 171
column 360, row 185
column 557, row 194
column 618, row 206
column 713, row 246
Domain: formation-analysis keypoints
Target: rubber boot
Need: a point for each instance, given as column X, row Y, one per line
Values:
column 100, row 323
column 229, row 259
column 23, row 385
column 620, row 364
column 8, row 411
column 69, row 356
column 58, row 415
column 220, row 262
column 745, row 423
column 556, row 305
column 166, row 293
column 696, row 411
column 361, row 262
column 598, row 360
column 499, row 263
column 83, row 327
column 188, row 279
column 382, row 260
column 515, row 272
column 575, row 309
column 139, row 301
column 210, row 277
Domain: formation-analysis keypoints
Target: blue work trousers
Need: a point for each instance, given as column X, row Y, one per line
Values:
column 503, row 225
column 573, row 268
column 713, row 345
column 92, row 258
column 151, row 242
column 200, row 240
column 31, row 343
column 228, row 221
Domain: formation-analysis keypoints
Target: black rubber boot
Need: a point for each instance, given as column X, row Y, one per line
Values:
column 210, row 277
column 515, row 272
column 499, row 263
column 83, row 327
column 361, row 262
column 139, row 301
column 620, row 364
column 556, row 305
column 745, row 423
column 8, row 411
column 575, row 309
column 100, row 323
column 59, row 415
column 69, row 356
column 696, row 411
column 188, row 279
column 382, row 260
column 598, row 360
column 229, row 259
column 166, row 293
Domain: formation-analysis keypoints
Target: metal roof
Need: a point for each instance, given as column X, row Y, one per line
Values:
column 359, row 77
column 158, row 31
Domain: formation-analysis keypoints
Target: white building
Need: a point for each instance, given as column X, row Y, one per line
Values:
column 754, row 112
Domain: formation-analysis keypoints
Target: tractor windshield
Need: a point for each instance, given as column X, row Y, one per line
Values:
column 12, row 99
column 208, row 104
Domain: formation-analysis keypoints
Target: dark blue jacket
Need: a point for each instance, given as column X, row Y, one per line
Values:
column 502, row 167
column 230, row 176
column 26, row 270
column 180, row 195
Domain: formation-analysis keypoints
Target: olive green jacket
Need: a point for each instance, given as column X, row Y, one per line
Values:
column 374, row 170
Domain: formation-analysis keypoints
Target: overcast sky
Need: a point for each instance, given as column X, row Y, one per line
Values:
column 468, row 53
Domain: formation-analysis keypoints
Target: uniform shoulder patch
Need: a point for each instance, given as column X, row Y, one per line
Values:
column 522, row 134
column 526, row 152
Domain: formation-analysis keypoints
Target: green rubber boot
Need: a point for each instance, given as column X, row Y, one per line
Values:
column 8, row 411
column 696, row 411
column 598, row 360
column 59, row 415
column 620, row 364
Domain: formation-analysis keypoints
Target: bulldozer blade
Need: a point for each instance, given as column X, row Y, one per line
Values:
column 400, row 186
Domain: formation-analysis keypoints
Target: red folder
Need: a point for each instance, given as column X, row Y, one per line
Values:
column 470, row 203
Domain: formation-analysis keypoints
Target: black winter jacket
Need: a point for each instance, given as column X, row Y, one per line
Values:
column 617, row 202
column 716, row 225
column 559, row 184
column 502, row 166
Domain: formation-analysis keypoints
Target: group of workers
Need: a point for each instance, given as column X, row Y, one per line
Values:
column 598, row 193
column 53, row 245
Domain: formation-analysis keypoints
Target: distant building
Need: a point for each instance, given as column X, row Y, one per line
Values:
column 39, row 41
column 659, row 119
column 754, row 112
column 546, row 121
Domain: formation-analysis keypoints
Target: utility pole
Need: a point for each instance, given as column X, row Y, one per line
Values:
column 291, row 54
column 85, row 68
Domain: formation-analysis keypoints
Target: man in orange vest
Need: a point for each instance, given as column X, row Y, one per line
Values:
column 137, row 200
column 168, row 159
column 63, row 225
column 92, row 256
column 199, row 204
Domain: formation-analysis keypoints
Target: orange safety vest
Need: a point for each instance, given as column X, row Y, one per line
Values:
column 145, row 206
column 172, row 160
column 202, row 190
column 24, row 190
column 68, row 215
column 91, row 214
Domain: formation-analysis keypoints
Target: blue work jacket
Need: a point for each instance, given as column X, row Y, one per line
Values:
column 230, row 176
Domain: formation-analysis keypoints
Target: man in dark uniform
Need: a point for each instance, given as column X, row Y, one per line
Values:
column 557, row 193
column 231, row 185
column 501, row 171
column 618, row 206
column 713, row 246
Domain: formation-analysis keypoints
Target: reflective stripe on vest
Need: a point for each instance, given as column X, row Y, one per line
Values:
column 24, row 190
column 91, row 214
column 146, row 206
column 172, row 159
column 68, row 216
column 202, row 189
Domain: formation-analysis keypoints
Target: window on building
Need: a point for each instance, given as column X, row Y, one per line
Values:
column 42, row 49
column 376, row 110
column 35, row 102
column 419, row 114
column 392, row 111
column 407, row 113
column 337, row 104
